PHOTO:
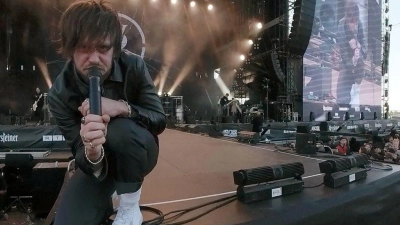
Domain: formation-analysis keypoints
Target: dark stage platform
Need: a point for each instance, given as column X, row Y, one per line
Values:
column 195, row 169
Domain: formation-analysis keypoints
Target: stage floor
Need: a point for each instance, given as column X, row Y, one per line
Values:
column 194, row 169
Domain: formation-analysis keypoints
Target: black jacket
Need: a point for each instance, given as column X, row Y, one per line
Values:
column 129, row 80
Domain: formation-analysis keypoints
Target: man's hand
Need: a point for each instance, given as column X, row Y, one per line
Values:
column 93, row 133
column 356, row 56
column 108, row 107
column 354, row 44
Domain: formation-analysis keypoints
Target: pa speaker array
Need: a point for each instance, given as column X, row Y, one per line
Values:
column 302, row 24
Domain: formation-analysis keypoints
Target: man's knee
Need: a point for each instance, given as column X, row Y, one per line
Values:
column 123, row 133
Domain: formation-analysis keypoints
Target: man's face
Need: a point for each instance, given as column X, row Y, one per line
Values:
column 99, row 54
column 343, row 141
column 353, row 24
column 37, row 90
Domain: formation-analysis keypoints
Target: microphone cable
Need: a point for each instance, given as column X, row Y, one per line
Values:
column 162, row 218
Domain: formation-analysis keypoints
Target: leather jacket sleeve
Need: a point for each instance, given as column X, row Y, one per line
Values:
column 69, row 124
column 143, row 98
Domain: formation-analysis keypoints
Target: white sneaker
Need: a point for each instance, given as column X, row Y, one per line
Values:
column 129, row 210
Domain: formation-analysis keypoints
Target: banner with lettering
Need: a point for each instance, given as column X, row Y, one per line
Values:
column 283, row 131
column 31, row 137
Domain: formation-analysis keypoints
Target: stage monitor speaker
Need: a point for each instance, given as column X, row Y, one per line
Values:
column 5, row 119
column 312, row 117
column 305, row 144
column 329, row 116
column 324, row 126
column 302, row 129
column 18, row 160
column 48, row 179
column 303, row 20
column 227, row 119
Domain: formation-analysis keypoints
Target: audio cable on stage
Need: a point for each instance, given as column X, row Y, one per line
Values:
column 165, row 220
column 380, row 166
column 314, row 186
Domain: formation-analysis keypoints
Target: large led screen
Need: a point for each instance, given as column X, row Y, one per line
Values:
column 342, row 64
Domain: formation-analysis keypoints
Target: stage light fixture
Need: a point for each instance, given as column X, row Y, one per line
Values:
column 174, row 1
column 242, row 57
column 339, row 172
column 251, row 42
column 159, row 93
column 210, row 7
column 192, row 4
column 259, row 25
column 268, row 182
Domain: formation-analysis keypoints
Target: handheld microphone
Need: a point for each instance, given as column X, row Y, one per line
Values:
column 94, row 76
column 341, row 126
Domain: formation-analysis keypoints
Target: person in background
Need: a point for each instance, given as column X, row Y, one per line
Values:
column 257, row 122
column 350, row 38
column 223, row 103
column 37, row 106
column 342, row 147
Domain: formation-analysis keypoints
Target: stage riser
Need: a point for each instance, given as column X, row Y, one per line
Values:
column 281, row 131
column 17, row 138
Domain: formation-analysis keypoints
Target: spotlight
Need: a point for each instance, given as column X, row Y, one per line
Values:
column 345, row 170
column 268, row 182
column 174, row 1
column 192, row 3
column 242, row 57
column 159, row 93
column 259, row 25
column 250, row 41
column 210, row 7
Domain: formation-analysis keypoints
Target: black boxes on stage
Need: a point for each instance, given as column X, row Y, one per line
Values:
column 345, row 163
column 341, row 178
column 268, row 182
column 253, row 193
column 345, row 170
column 305, row 144
column 248, row 137
column 48, row 179
column 268, row 173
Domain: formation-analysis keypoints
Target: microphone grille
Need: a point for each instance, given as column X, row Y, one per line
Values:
column 94, row 71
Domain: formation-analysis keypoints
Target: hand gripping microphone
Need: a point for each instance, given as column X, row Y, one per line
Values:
column 94, row 76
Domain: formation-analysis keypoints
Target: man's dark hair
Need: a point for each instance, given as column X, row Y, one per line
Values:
column 326, row 12
column 89, row 20
column 352, row 11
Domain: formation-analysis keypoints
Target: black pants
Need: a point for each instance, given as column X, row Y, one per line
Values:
column 346, row 80
column 132, row 154
column 39, row 114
